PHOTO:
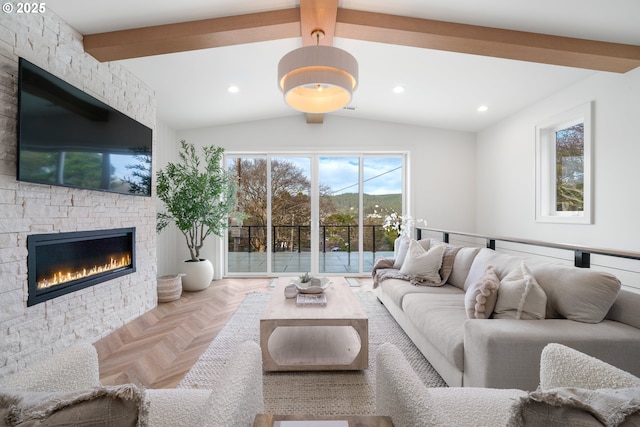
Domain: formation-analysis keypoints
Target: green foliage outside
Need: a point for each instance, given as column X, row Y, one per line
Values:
column 291, row 211
column 570, row 169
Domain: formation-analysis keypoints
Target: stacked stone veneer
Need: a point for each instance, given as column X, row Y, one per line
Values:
column 28, row 334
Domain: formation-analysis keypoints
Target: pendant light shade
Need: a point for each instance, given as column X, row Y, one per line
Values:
column 318, row 79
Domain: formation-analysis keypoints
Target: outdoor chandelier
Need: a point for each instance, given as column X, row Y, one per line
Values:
column 318, row 79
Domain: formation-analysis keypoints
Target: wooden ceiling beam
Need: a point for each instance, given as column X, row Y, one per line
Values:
column 194, row 35
column 318, row 15
column 486, row 41
column 367, row 26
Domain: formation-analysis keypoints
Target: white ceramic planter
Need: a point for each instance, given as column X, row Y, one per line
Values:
column 198, row 275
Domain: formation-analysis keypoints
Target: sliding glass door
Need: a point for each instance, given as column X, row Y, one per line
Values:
column 323, row 214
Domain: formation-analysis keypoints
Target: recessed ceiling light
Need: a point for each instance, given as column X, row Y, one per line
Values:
column 233, row 89
column 483, row 108
column 398, row 89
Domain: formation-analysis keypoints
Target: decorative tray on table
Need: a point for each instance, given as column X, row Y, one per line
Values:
column 314, row 286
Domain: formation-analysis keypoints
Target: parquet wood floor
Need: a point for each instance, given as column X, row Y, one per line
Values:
column 158, row 348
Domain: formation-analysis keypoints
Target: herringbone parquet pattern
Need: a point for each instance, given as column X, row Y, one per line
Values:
column 157, row 349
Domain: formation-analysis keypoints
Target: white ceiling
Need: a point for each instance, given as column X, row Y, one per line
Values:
column 442, row 89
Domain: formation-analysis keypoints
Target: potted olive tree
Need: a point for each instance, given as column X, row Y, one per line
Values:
column 198, row 199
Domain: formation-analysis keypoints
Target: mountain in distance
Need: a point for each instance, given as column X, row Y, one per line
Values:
column 383, row 204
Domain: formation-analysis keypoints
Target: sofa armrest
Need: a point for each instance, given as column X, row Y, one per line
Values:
column 399, row 392
column 74, row 368
column 562, row 366
column 505, row 353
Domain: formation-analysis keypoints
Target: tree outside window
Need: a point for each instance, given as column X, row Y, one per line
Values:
column 563, row 167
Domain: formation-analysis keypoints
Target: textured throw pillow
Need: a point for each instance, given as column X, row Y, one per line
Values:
column 520, row 296
column 480, row 298
column 98, row 407
column 423, row 264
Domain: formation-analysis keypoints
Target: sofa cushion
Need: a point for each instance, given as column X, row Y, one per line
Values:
column 502, row 263
column 480, row 298
column 461, row 266
column 579, row 294
column 423, row 264
column 520, row 296
column 396, row 289
column 123, row 405
column 441, row 317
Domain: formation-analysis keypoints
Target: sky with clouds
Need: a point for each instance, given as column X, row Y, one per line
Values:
column 381, row 175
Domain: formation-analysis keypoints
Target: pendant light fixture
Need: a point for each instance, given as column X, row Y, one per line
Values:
column 318, row 79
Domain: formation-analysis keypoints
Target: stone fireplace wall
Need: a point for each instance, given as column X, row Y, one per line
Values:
column 28, row 334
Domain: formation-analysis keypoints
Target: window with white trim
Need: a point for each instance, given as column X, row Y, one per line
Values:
column 563, row 167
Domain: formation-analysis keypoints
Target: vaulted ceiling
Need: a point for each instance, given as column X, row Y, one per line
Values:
column 450, row 56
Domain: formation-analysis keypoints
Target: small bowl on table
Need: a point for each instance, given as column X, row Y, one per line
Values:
column 314, row 286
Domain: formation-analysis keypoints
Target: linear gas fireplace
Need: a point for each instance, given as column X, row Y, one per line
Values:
column 61, row 263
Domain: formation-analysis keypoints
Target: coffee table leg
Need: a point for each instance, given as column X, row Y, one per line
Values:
column 266, row 329
column 361, row 361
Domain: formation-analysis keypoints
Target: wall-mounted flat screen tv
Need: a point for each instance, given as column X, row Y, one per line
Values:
column 67, row 137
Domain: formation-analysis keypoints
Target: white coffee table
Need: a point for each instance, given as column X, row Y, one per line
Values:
column 314, row 338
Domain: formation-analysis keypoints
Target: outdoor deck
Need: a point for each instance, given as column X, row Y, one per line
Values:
column 293, row 262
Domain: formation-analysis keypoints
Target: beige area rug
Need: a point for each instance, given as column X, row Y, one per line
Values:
column 315, row 393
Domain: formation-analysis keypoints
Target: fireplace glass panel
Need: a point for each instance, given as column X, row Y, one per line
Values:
column 65, row 262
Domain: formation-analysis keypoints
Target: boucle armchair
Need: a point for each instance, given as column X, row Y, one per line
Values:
column 234, row 401
column 564, row 374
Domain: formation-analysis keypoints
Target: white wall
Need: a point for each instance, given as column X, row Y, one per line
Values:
column 505, row 183
column 442, row 163
column 170, row 238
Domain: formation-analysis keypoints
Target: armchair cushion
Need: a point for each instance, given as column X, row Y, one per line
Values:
column 75, row 368
column 562, row 366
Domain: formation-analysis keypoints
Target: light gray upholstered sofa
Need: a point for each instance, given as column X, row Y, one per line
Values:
column 234, row 402
column 401, row 395
column 505, row 353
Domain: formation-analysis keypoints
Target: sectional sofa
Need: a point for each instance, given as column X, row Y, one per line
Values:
column 483, row 319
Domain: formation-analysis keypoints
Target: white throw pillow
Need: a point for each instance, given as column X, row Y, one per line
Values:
column 402, row 247
column 520, row 296
column 423, row 264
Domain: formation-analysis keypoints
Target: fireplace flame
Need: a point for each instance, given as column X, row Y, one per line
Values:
column 60, row 277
